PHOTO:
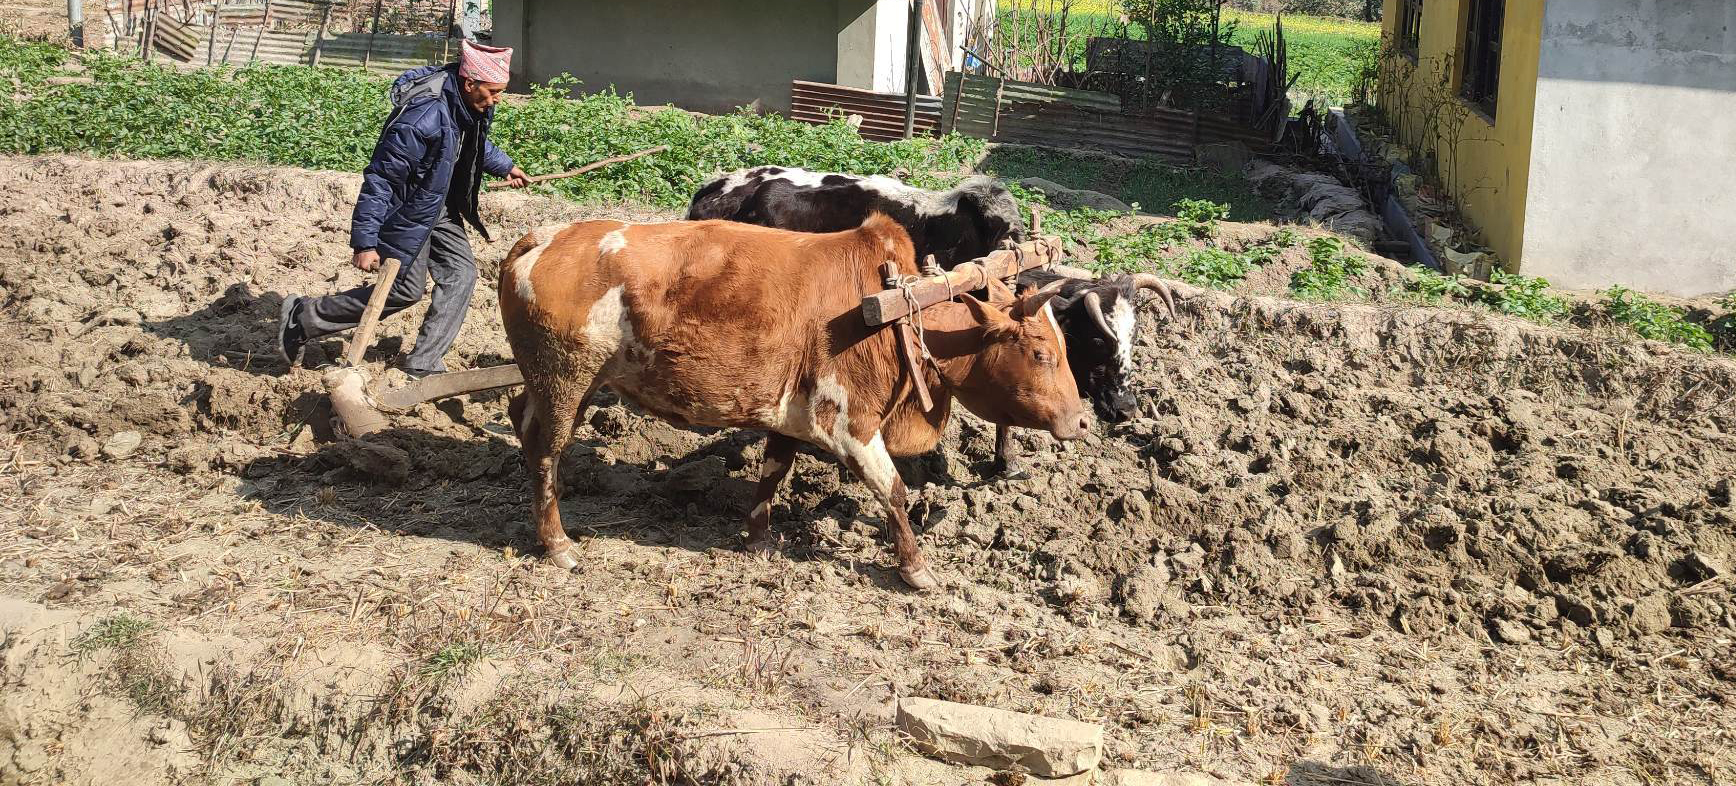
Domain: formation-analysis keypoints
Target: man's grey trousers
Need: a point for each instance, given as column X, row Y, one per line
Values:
column 448, row 258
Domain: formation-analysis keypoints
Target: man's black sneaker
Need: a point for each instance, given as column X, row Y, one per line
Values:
column 291, row 339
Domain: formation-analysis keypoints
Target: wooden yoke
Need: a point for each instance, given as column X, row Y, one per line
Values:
column 895, row 303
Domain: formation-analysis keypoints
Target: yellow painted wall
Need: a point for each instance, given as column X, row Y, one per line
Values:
column 1493, row 160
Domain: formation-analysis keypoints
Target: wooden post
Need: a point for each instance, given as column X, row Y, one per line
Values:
column 368, row 54
column 912, row 64
column 75, row 22
column 211, row 45
column 325, row 19
column 263, row 24
column 148, row 33
column 451, row 19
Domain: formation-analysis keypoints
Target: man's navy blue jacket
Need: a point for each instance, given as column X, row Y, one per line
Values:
column 407, row 182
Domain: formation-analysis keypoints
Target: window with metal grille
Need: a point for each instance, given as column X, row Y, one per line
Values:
column 1482, row 54
column 1410, row 27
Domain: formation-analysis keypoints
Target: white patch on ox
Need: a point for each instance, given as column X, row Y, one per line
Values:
column 770, row 466
column 522, row 267
column 608, row 330
column 764, row 509
column 1121, row 318
column 876, row 464
column 612, row 242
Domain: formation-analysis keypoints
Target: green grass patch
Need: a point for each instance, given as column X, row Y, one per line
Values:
column 119, row 632
column 1654, row 320
column 1145, row 185
column 1326, row 52
column 451, row 660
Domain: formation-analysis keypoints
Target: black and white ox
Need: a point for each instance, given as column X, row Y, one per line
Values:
column 1096, row 316
column 956, row 225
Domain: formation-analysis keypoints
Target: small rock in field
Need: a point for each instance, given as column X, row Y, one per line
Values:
column 988, row 737
column 83, row 448
column 1651, row 614
column 1707, row 565
column 122, row 444
column 980, row 531
column 1511, row 632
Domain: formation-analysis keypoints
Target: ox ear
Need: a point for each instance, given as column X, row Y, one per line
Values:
column 1032, row 304
column 999, row 293
column 996, row 324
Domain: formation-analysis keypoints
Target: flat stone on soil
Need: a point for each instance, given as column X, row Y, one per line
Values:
column 122, row 444
column 984, row 736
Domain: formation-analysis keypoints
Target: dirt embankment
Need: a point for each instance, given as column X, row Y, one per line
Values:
column 1345, row 544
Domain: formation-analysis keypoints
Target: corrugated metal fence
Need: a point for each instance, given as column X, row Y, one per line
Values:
column 1004, row 110
column 882, row 113
column 294, row 32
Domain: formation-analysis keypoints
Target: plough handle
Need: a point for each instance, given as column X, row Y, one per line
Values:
column 364, row 335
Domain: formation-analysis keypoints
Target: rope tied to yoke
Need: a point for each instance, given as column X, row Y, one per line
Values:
column 907, row 285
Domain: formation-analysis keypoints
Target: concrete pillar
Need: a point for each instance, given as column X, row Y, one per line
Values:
column 871, row 35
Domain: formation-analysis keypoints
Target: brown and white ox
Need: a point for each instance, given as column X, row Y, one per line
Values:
column 724, row 324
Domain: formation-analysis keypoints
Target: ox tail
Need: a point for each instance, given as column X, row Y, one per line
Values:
column 887, row 239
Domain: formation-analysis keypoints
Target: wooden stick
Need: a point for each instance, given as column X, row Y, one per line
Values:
column 364, row 334
column 888, row 305
column 211, row 45
column 586, row 168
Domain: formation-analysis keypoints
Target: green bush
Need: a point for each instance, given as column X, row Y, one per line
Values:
column 1216, row 268
column 1524, row 296
column 1426, row 286
column 1654, row 320
column 329, row 118
column 1329, row 272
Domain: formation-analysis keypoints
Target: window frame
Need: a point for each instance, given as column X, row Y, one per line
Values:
column 1410, row 28
column 1480, row 71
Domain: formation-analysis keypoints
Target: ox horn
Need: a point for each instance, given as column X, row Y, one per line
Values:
column 1094, row 306
column 1030, row 304
column 1158, row 285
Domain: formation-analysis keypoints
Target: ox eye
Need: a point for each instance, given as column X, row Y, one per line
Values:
column 1044, row 357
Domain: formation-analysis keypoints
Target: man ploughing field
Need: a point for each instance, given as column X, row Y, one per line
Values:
column 417, row 193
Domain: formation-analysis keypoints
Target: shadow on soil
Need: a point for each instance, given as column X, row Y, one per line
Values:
column 474, row 489
column 1313, row 773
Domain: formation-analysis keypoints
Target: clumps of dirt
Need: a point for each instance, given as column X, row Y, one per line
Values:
column 145, row 296
column 1340, row 533
column 1443, row 473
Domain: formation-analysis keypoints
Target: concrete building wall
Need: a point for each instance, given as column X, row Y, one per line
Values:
column 704, row 55
column 1634, row 151
column 1491, row 168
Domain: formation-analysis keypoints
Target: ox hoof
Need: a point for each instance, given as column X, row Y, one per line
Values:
column 564, row 559
column 1011, row 470
column 763, row 547
column 922, row 578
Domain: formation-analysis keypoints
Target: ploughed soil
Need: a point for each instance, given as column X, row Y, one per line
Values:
column 1344, row 544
